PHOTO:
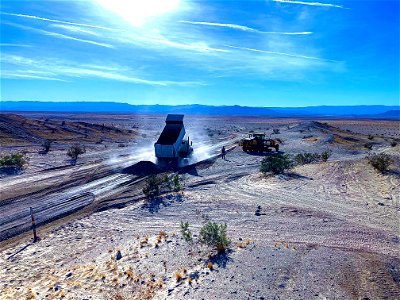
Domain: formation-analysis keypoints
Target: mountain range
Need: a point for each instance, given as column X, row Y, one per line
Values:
column 367, row 111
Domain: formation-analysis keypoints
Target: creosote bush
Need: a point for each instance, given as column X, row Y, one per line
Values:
column 380, row 162
column 307, row 158
column 46, row 145
column 211, row 234
column 325, row 155
column 177, row 183
column 276, row 164
column 368, row 146
column 16, row 160
column 157, row 184
column 214, row 235
column 75, row 151
column 185, row 231
column 152, row 187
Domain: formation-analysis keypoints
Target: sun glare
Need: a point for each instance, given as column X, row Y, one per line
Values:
column 138, row 12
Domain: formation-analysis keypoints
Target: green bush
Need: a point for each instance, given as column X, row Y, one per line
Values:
column 368, row 146
column 75, row 151
column 325, row 155
column 46, row 145
column 185, row 231
column 276, row 164
column 214, row 235
column 307, row 158
column 152, row 187
column 380, row 162
column 156, row 185
column 16, row 161
column 177, row 183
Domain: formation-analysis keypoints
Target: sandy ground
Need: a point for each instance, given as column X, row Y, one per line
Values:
column 323, row 231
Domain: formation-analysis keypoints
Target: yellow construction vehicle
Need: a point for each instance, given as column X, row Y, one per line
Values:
column 258, row 142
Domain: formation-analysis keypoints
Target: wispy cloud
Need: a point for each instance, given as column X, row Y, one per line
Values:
column 280, row 53
column 59, row 35
column 36, row 69
column 243, row 28
column 310, row 3
column 14, row 45
column 59, row 21
column 26, row 75
column 75, row 29
column 68, row 37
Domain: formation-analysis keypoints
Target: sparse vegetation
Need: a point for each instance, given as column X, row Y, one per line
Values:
column 177, row 183
column 370, row 137
column 16, row 161
column 152, row 187
column 186, row 233
column 178, row 276
column 46, row 145
column 276, row 164
column 306, row 158
column 393, row 143
column 380, row 162
column 75, row 151
column 215, row 235
column 156, row 185
column 276, row 131
column 325, row 155
column 368, row 146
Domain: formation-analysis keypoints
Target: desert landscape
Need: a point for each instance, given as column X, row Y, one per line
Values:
column 324, row 229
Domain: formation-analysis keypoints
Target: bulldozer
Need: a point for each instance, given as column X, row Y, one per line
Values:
column 258, row 142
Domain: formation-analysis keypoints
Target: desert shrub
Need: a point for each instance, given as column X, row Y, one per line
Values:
column 185, row 231
column 276, row 131
column 46, row 145
column 156, row 185
column 276, row 164
column 307, row 158
column 75, row 151
column 177, row 183
column 214, row 235
column 152, row 187
column 325, row 155
column 368, row 146
column 370, row 137
column 16, row 160
column 393, row 143
column 380, row 162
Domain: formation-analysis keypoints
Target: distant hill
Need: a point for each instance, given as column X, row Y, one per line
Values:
column 391, row 114
column 373, row 111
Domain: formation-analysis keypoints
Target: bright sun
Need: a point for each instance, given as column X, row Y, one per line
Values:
column 137, row 12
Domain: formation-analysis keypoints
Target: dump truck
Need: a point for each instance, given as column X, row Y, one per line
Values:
column 258, row 142
column 172, row 144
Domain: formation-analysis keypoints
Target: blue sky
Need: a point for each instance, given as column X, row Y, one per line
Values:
column 254, row 53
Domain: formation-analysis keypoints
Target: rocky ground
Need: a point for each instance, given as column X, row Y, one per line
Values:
column 326, row 230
